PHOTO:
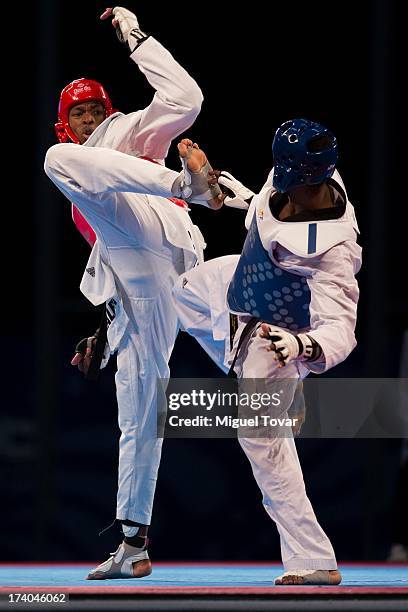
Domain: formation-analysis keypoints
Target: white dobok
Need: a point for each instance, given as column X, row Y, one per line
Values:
column 299, row 276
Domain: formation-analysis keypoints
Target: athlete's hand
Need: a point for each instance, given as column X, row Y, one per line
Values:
column 288, row 347
column 83, row 354
column 283, row 344
column 237, row 195
column 126, row 25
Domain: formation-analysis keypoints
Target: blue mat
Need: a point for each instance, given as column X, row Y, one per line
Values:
column 193, row 576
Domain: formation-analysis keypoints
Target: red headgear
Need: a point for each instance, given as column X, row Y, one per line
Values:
column 76, row 92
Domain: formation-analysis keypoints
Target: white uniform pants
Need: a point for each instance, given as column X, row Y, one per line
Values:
column 274, row 461
column 139, row 446
column 142, row 359
column 143, row 356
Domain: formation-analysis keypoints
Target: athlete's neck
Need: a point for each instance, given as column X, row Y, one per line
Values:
column 310, row 197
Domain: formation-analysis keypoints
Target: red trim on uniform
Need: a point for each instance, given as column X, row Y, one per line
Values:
column 83, row 226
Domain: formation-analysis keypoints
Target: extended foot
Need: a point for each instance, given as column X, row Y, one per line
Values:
column 310, row 577
column 196, row 158
column 126, row 562
column 197, row 163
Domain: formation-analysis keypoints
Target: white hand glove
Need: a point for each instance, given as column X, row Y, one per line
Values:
column 237, row 192
column 127, row 26
column 288, row 347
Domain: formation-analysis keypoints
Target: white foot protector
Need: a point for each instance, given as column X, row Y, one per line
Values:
column 193, row 186
column 120, row 564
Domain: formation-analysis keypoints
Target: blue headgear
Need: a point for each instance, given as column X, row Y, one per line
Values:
column 304, row 152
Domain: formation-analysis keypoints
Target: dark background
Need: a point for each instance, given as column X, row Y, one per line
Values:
column 257, row 66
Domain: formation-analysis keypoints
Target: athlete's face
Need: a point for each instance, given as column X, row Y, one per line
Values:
column 84, row 118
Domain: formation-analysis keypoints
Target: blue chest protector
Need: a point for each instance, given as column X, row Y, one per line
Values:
column 261, row 289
